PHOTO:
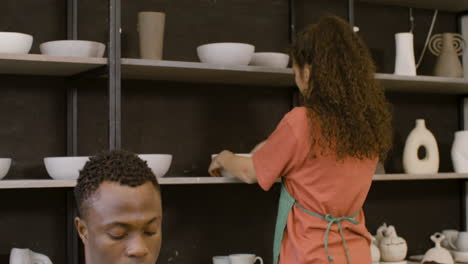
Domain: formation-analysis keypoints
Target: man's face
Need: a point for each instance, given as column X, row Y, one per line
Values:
column 122, row 225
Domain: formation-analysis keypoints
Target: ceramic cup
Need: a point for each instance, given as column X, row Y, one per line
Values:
column 451, row 236
column 151, row 31
column 26, row 256
column 462, row 241
column 221, row 260
column 244, row 259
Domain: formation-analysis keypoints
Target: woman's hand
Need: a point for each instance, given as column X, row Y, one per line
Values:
column 216, row 165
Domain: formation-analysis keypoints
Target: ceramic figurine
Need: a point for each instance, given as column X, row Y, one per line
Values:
column 375, row 252
column 392, row 247
column 438, row 254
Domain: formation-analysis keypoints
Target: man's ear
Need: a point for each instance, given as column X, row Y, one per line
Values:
column 82, row 229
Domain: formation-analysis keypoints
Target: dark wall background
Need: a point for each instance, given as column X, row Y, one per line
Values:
column 192, row 121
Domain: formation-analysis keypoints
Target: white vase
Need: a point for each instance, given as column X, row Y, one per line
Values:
column 460, row 152
column 405, row 62
column 420, row 136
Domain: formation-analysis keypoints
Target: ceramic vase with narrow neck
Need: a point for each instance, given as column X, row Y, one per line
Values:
column 448, row 47
column 420, row 136
column 460, row 152
column 405, row 62
column 151, row 30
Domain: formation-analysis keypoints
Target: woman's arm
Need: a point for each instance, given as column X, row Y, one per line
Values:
column 240, row 167
column 259, row 146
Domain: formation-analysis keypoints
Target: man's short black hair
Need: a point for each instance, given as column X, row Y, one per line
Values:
column 118, row 166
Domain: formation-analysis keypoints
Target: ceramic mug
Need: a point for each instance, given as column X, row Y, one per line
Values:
column 221, row 260
column 450, row 239
column 26, row 256
column 462, row 241
column 244, row 259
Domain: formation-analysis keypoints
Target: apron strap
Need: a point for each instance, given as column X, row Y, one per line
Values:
column 334, row 221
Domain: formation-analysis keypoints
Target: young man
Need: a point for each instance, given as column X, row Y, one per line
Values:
column 120, row 211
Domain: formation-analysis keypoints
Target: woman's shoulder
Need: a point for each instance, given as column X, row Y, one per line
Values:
column 296, row 115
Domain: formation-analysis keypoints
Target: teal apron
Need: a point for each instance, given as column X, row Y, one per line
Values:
column 286, row 203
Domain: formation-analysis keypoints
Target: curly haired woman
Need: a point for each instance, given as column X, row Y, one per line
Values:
column 326, row 152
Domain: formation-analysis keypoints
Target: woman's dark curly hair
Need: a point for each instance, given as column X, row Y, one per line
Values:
column 118, row 166
column 355, row 117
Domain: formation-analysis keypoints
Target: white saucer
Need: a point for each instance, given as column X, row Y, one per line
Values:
column 460, row 256
column 399, row 262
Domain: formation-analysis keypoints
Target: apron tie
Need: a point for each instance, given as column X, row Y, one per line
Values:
column 334, row 221
column 286, row 204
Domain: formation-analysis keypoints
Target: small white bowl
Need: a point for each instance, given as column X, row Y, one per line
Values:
column 460, row 256
column 158, row 163
column 73, row 48
column 15, row 43
column 227, row 174
column 65, row 168
column 226, row 53
column 270, row 59
column 4, row 167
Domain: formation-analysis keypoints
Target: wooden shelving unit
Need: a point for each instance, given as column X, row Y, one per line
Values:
column 444, row 5
column 35, row 64
column 40, row 184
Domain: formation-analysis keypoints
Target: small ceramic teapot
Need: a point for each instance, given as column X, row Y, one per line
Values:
column 392, row 247
column 438, row 254
column 375, row 251
column 380, row 233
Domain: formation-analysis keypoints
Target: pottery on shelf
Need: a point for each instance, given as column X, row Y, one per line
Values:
column 448, row 47
column 73, row 48
column 5, row 164
column 438, row 254
column 405, row 63
column 380, row 233
column 375, row 251
column 151, row 34
column 451, row 236
column 459, row 152
column 27, row 256
column 226, row 54
column 420, row 136
column 392, row 247
column 15, row 43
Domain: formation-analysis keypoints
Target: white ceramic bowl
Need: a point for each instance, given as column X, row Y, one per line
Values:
column 226, row 174
column 226, row 53
column 4, row 167
column 73, row 48
column 17, row 43
column 158, row 163
column 270, row 59
column 64, row 168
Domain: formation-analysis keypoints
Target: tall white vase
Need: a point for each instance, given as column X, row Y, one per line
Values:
column 460, row 152
column 151, row 31
column 405, row 62
column 420, row 136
